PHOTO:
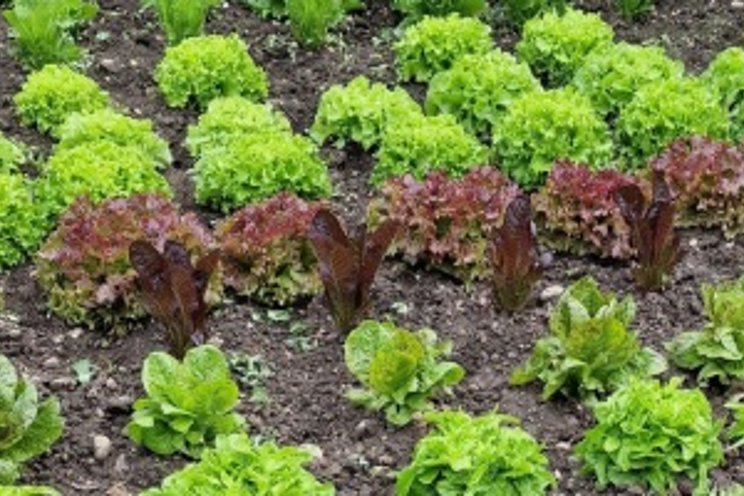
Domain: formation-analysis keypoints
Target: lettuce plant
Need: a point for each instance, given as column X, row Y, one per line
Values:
column 236, row 465
column 21, row 221
column 310, row 20
column 50, row 95
column 634, row 9
column 520, row 11
column 446, row 223
column 203, row 68
column 590, row 351
column 229, row 118
column 479, row 89
column 540, row 128
column 109, row 125
column 348, row 265
column 28, row 427
column 651, row 231
column 258, row 166
column 556, row 44
column 181, row 19
column 707, row 180
column 400, row 370
column 99, row 170
column 717, row 350
column 416, row 9
column 435, row 43
column 419, row 145
column 360, row 112
column 268, row 8
column 663, row 111
column 577, row 212
column 728, row 490
column 187, row 404
column 725, row 75
column 84, row 265
column 610, row 77
column 173, row 290
column 489, row 454
column 649, row 434
column 11, row 155
column 515, row 259
column 735, row 433
column 43, row 31
column 265, row 253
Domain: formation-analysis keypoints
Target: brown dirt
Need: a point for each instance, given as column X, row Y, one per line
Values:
column 360, row 452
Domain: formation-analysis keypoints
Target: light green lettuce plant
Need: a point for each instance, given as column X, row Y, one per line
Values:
column 591, row 350
column 360, row 112
column 418, row 145
column 258, row 166
column 181, row 19
column 109, row 125
column 99, row 170
column 227, row 119
column 717, row 350
column 400, row 370
column 187, row 404
column 416, row 9
column 651, row 434
column 237, row 466
column 556, row 44
column 28, row 491
column 663, row 111
column 542, row 127
column 435, row 43
column 21, row 221
column 203, row 68
column 28, row 427
column 725, row 75
column 611, row 77
column 479, row 89
column 50, row 95
column 485, row 455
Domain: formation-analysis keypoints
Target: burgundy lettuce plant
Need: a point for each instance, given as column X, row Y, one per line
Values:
column 576, row 211
column 707, row 179
column 173, row 290
column 446, row 223
column 84, row 265
column 652, row 231
column 348, row 265
column 515, row 259
column 265, row 253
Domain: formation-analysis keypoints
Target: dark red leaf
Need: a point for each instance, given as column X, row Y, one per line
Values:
column 515, row 259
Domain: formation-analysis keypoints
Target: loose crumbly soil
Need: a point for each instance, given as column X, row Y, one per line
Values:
column 360, row 453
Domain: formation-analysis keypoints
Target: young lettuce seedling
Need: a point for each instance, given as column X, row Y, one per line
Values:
column 514, row 256
column 652, row 231
column 173, row 290
column 348, row 265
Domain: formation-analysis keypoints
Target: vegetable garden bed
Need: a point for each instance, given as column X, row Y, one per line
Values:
column 303, row 402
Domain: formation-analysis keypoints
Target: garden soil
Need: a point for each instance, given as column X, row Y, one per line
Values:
column 358, row 452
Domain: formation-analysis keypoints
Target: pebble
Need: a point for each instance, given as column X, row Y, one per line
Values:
column 121, row 467
column 737, row 4
column 51, row 363
column 120, row 403
column 76, row 333
column 111, row 65
column 118, row 489
column 551, row 292
column 62, row 383
column 111, row 383
column 101, row 447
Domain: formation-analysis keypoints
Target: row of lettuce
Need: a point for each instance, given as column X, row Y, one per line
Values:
column 46, row 32
column 647, row 433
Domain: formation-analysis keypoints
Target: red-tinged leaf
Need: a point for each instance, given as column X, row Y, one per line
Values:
column 375, row 247
column 174, row 290
column 515, row 259
column 652, row 228
column 347, row 267
column 154, row 279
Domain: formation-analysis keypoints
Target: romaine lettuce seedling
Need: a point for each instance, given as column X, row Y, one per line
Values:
column 348, row 265
column 174, row 290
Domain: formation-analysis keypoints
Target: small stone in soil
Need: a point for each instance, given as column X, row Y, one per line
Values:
column 101, row 447
column 551, row 292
